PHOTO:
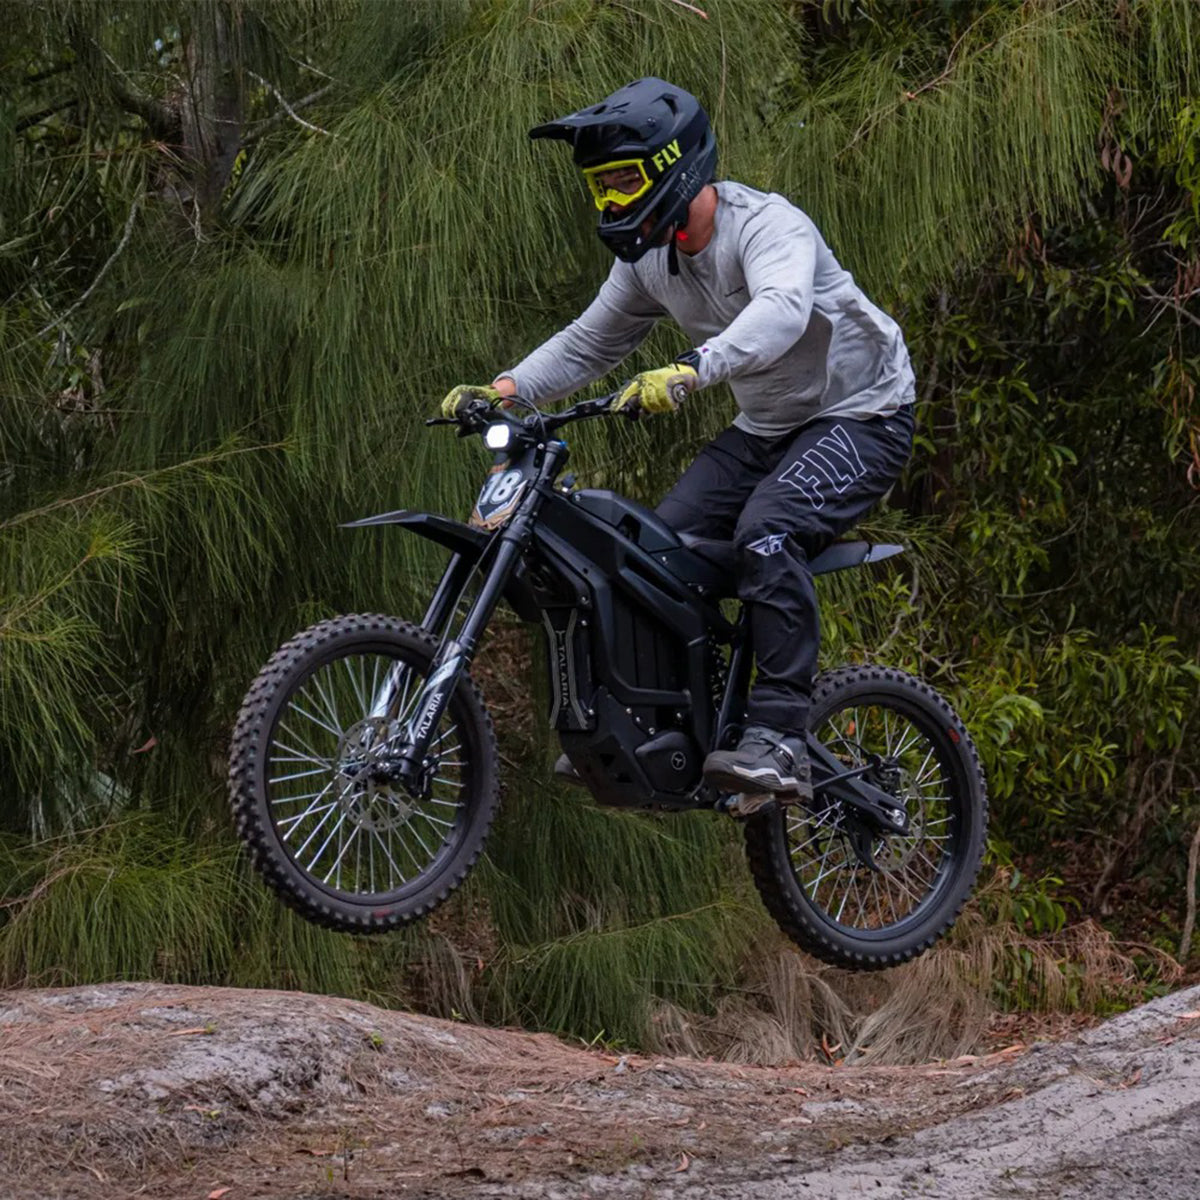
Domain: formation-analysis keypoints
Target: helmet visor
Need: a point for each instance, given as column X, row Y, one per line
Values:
column 620, row 182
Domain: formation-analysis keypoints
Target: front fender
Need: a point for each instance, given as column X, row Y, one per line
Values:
column 456, row 536
column 464, row 541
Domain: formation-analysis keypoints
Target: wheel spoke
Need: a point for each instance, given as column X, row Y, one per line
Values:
column 845, row 896
column 921, row 854
column 307, row 749
column 299, row 775
column 920, row 774
column 316, row 796
column 429, row 853
column 408, row 850
column 296, row 756
column 317, row 828
column 355, row 683
column 391, row 863
column 328, row 698
column 337, row 733
column 325, row 844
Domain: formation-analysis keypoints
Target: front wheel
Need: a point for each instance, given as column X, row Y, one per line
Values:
column 314, row 799
column 858, row 899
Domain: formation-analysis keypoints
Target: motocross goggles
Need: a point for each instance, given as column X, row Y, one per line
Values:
column 620, row 182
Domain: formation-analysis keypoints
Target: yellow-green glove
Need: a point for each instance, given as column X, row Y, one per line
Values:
column 462, row 395
column 659, row 391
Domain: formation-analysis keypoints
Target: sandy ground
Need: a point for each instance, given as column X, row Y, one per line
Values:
column 154, row 1091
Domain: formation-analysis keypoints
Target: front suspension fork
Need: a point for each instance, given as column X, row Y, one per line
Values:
column 454, row 655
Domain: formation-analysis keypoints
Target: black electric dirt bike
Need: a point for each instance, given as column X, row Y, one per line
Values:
column 364, row 766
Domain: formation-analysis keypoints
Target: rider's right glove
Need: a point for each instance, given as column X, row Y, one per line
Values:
column 658, row 391
column 466, row 393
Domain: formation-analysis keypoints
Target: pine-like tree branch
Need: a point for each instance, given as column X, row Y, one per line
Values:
column 37, row 117
column 161, row 120
column 291, row 109
column 288, row 108
column 58, row 321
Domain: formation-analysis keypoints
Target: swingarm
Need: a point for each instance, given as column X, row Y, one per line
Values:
column 831, row 777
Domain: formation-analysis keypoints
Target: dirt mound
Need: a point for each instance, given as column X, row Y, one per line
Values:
column 205, row 1092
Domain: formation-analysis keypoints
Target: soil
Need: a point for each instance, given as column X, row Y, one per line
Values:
column 174, row 1092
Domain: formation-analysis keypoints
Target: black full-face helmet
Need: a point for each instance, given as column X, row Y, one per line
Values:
column 656, row 140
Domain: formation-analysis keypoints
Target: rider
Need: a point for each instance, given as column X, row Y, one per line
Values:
column 820, row 374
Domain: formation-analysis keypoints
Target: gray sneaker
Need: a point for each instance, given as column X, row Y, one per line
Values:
column 766, row 764
column 566, row 772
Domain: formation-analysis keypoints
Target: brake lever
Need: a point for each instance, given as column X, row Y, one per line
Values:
column 441, row 420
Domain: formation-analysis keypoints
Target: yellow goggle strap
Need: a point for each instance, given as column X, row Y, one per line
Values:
column 604, row 196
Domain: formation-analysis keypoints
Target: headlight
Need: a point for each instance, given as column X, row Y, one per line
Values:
column 497, row 436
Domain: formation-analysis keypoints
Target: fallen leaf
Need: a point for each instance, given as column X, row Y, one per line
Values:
column 684, row 1163
column 149, row 745
column 797, row 1121
column 534, row 1139
column 1000, row 1055
column 1133, row 1079
column 198, row 1029
column 1192, row 1016
column 217, row 1193
column 802, row 1091
column 315, row 1153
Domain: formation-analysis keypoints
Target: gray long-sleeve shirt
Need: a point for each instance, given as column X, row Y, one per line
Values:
column 768, row 308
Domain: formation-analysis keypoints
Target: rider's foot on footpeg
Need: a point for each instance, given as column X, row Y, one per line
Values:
column 764, row 762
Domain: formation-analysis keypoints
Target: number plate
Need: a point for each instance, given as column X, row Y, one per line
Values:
column 500, row 494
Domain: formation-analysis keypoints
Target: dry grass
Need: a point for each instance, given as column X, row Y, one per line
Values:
column 947, row 1003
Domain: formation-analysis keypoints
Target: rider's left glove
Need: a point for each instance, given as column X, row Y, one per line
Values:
column 464, row 394
column 660, row 391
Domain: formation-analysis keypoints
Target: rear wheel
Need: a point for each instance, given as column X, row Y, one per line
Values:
column 811, row 863
column 313, row 795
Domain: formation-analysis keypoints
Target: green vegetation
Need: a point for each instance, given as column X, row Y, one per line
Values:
column 244, row 247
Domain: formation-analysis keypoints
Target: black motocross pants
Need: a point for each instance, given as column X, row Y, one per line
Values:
column 783, row 500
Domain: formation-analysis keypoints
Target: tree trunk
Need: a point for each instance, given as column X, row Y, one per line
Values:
column 211, row 107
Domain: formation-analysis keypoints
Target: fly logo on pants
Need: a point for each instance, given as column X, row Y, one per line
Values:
column 831, row 462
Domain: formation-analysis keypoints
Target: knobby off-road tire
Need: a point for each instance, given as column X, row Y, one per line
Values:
column 803, row 864
column 297, row 781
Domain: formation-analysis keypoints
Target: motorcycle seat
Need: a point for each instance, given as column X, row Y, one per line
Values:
column 833, row 558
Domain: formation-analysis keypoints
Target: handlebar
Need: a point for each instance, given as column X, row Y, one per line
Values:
column 473, row 417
